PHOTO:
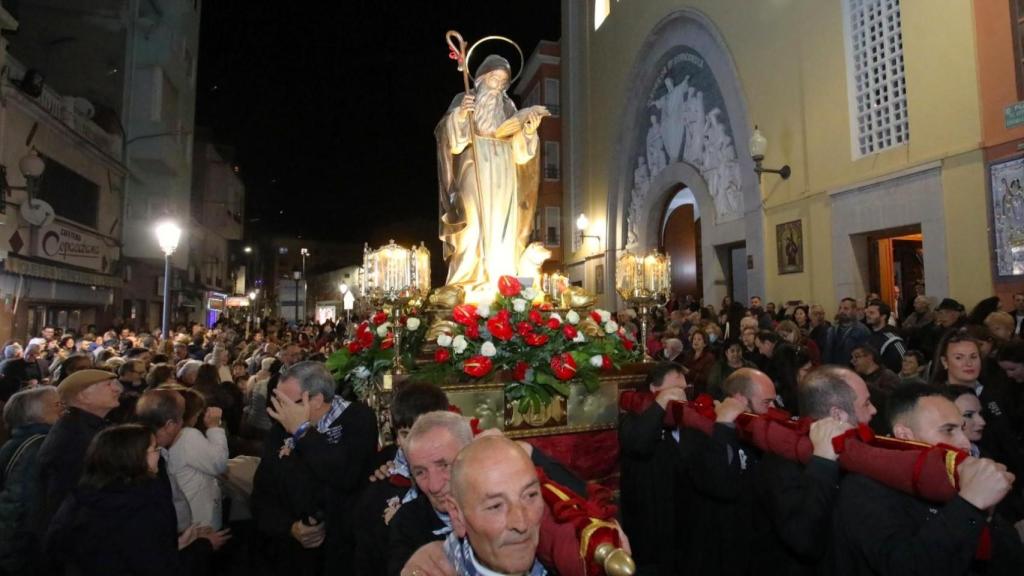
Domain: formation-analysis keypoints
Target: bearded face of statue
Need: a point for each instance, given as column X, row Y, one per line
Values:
column 490, row 101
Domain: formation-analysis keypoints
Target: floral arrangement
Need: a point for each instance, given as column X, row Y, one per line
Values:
column 371, row 350
column 544, row 351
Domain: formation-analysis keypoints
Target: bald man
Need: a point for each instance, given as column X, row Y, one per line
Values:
column 496, row 510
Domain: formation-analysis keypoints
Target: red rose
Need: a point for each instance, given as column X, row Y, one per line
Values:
column 473, row 331
column 365, row 339
column 606, row 362
column 504, row 314
column 524, row 328
column 535, row 317
column 520, row 370
column 388, row 342
column 477, row 366
column 569, row 331
column 499, row 328
column 442, row 355
column 509, row 286
column 563, row 366
column 364, row 326
column 627, row 343
column 596, row 317
column 553, row 323
column 354, row 347
column 534, row 339
column 464, row 314
column 379, row 318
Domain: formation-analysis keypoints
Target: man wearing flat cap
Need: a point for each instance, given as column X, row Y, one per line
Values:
column 89, row 396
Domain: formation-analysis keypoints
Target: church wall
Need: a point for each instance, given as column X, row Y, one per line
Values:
column 791, row 64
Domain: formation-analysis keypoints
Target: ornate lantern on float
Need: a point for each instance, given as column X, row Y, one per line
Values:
column 643, row 281
column 394, row 276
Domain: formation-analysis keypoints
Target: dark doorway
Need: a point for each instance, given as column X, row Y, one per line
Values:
column 896, row 265
column 681, row 242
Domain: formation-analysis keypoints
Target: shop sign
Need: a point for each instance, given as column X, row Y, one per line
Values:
column 1013, row 115
column 72, row 246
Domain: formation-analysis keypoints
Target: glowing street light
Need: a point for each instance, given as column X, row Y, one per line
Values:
column 168, row 234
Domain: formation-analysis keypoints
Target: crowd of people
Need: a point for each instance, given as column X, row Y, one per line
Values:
column 220, row 451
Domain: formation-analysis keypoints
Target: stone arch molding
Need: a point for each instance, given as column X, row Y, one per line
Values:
column 685, row 121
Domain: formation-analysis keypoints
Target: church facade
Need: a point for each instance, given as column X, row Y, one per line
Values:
column 894, row 116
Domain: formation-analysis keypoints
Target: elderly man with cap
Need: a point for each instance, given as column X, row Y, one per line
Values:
column 89, row 396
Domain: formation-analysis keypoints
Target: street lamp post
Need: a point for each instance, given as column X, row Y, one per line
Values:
column 296, row 275
column 167, row 234
column 305, row 287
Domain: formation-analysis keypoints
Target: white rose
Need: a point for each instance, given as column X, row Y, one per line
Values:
column 579, row 337
column 605, row 315
column 488, row 349
column 459, row 344
column 412, row 324
column 382, row 330
column 483, row 310
column 444, row 340
column 556, row 316
column 611, row 327
column 596, row 361
column 529, row 293
column 572, row 317
column 520, row 305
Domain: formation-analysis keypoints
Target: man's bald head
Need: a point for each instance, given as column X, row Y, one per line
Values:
column 754, row 385
column 497, row 503
column 479, row 455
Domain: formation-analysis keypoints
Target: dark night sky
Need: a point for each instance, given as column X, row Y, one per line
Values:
column 331, row 107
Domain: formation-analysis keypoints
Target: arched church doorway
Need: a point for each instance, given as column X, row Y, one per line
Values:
column 681, row 241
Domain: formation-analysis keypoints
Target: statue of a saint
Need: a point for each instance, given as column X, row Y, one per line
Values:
column 488, row 176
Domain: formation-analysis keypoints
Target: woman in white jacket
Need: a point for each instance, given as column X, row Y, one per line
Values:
column 196, row 460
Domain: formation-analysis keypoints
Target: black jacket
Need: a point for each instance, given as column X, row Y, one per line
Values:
column 371, row 554
column 121, row 529
column 21, row 506
column 720, row 510
column 792, row 514
column 650, row 469
column 415, row 525
column 62, row 456
column 890, row 347
column 320, row 479
column 878, row 530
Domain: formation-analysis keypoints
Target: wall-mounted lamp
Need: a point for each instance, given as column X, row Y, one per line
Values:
column 758, row 146
column 31, row 167
column 582, row 223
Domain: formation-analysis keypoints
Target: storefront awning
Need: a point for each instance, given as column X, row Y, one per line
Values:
column 16, row 265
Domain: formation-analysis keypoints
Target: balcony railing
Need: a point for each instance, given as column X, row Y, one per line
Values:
column 62, row 108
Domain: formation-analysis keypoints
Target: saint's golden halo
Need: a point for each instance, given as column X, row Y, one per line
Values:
column 469, row 55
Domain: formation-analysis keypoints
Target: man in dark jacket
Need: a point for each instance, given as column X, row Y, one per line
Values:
column 382, row 499
column 719, row 470
column 649, row 461
column 879, row 530
column 883, row 337
column 793, row 502
column 89, row 396
column 433, row 443
column 29, row 414
column 846, row 334
column 316, row 458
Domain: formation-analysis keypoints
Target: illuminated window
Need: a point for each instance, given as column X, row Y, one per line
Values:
column 874, row 66
column 601, row 10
